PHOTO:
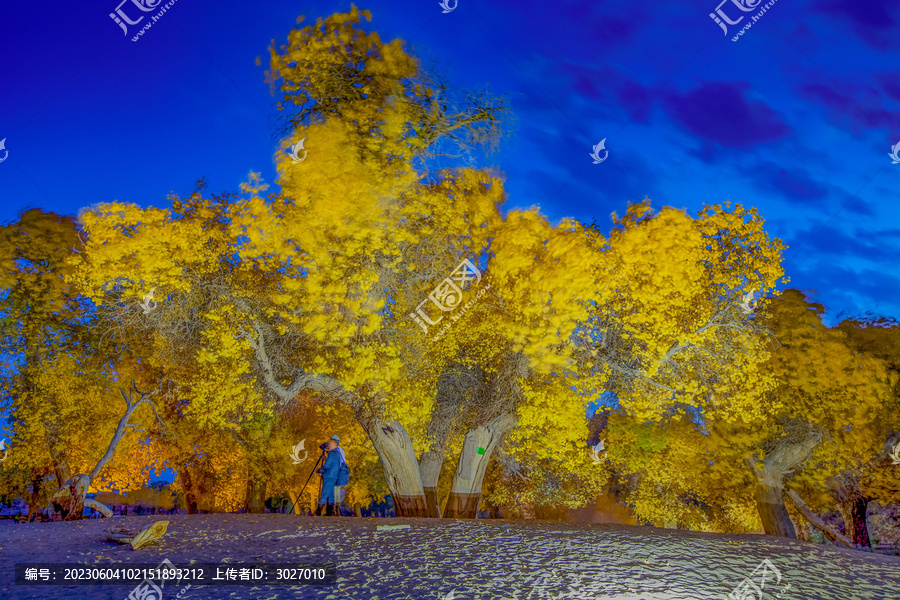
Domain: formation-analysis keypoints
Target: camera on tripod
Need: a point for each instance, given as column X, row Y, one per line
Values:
column 324, row 445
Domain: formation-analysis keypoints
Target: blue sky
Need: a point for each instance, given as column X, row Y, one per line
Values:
column 796, row 118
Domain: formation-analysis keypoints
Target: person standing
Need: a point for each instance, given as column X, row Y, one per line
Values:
column 343, row 477
column 335, row 474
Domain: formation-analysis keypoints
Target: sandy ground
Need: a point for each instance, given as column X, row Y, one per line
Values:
column 473, row 559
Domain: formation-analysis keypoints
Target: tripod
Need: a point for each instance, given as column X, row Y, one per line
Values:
column 315, row 466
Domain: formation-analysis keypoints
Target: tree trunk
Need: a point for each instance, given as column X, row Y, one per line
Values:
column 398, row 460
column 294, row 495
column 314, row 494
column 478, row 446
column 36, row 489
column 52, row 429
column 852, row 502
column 449, row 400
column 772, row 511
column 190, row 496
column 255, row 500
column 61, row 470
column 68, row 502
column 770, row 475
column 357, row 511
column 854, row 513
column 60, row 463
column 430, row 470
column 432, row 502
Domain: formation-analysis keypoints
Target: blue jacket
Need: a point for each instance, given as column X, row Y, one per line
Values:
column 332, row 466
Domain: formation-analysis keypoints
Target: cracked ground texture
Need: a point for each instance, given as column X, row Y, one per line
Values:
column 455, row 559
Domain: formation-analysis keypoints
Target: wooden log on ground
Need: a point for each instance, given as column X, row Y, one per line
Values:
column 150, row 533
column 119, row 534
column 101, row 508
column 815, row 521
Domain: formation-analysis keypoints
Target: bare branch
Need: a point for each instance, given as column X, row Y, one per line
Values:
column 127, row 400
column 120, row 428
column 302, row 381
column 815, row 521
column 635, row 374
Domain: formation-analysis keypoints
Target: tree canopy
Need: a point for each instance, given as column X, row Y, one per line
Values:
column 386, row 289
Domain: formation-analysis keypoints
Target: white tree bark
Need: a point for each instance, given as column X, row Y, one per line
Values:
column 465, row 491
column 401, row 469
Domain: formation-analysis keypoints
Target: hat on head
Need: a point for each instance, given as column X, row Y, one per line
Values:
column 336, row 438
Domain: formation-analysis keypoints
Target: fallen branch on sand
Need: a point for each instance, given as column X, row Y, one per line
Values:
column 150, row 533
column 101, row 508
column 815, row 521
